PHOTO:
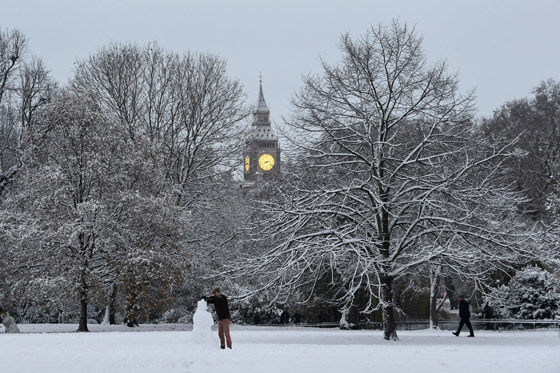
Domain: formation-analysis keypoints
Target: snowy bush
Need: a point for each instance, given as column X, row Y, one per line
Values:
column 186, row 319
column 172, row 316
column 531, row 294
column 169, row 316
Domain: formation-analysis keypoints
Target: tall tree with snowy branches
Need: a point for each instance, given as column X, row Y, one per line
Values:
column 190, row 113
column 186, row 105
column 392, row 176
column 89, row 210
column 25, row 90
column 535, row 121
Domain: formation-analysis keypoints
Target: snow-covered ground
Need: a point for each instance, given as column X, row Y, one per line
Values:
column 172, row 348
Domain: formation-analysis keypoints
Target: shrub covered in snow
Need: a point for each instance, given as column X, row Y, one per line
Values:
column 531, row 294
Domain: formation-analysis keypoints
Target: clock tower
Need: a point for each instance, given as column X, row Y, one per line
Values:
column 262, row 153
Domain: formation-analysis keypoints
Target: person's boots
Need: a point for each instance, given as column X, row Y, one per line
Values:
column 455, row 334
column 470, row 335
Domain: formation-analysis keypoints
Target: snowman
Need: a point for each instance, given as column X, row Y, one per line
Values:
column 202, row 324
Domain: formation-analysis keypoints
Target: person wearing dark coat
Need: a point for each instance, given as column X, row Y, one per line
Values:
column 220, row 302
column 285, row 317
column 465, row 316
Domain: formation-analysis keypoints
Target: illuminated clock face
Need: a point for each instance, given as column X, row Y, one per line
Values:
column 247, row 163
column 266, row 162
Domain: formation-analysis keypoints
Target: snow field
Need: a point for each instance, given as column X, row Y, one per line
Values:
column 286, row 350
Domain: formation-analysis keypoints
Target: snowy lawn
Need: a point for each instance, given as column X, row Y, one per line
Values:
column 286, row 350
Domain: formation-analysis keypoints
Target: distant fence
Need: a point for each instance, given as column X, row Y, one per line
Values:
column 483, row 324
column 478, row 324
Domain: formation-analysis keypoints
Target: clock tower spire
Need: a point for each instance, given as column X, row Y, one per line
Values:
column 262, row 153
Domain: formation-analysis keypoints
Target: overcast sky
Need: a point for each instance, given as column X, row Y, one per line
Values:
column 502, row 48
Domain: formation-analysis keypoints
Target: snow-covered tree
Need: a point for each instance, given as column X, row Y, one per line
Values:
column 129, row 193
column 392, row 177
column 59, row 204
column 436, row 277
column 550, row 237
column 532, row 293
column 185, row 104
column 192, row 114
column 536, row 121
column 91, row 206
column 25, row 90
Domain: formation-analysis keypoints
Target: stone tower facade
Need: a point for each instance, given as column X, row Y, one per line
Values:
column 262, row 153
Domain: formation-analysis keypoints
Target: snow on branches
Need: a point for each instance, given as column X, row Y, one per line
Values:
column 393, row 175
column 532, row 293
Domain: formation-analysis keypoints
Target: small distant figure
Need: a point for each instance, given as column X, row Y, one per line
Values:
column 131, row 318
column 257, row 318
column 285, row 317
column 220, row 302
column 9, row 322
column 296, row 318
column 465, row 316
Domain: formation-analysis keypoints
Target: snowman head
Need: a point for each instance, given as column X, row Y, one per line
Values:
column 202, row 305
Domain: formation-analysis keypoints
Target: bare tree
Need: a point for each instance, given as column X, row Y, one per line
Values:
column 13, row 46
column 25, row 89
column 190, row 114
column 393, row 177
column 536, row 121
column 186, row 105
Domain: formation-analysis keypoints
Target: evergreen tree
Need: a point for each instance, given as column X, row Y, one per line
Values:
column 531, row 294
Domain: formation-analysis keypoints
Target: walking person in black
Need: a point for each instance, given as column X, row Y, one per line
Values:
column 224, row 318
column 465, row 316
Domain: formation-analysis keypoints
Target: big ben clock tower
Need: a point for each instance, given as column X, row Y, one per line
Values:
column 262, row 153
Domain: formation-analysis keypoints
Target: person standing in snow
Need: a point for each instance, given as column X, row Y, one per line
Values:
column 220, row 302
column 465, row 316
column 285, row 317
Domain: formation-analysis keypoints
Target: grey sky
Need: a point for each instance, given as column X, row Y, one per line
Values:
column 501, row 48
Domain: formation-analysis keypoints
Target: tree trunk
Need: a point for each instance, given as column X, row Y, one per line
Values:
column 112, row 320
column 112, row 302
column 344, row 324
column 106, row 316
column 450, row 290
column 131, row 310
column 434, row 290
column 389, row 327
column 434, row 320
column 82, row 326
